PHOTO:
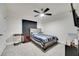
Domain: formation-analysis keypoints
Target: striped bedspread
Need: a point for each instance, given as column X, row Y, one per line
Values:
column 40, row 37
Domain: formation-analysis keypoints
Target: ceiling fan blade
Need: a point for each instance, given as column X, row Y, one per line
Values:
column 36, row 15
column 46, row 10
column 72, row 6
column 75, row 15
column 48, row 14
column 36, row 11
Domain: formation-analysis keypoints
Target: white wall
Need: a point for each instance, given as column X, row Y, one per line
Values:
column 3, row 27
column 17, row 12
column 60, row 25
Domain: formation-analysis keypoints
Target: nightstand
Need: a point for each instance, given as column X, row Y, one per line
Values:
column 71, row 50
column 26, row 38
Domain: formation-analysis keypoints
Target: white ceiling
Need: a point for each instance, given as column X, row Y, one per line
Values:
column 26, row 9
column 54, row 7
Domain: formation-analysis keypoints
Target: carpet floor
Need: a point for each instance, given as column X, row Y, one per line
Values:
column 30, row 49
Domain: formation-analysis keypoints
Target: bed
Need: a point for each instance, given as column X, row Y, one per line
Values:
column 43, row 40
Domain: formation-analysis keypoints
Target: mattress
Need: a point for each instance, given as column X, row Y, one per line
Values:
column 40, row 37
column 44, row 40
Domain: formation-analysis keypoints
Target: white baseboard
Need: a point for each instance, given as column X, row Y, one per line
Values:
column 10, row 43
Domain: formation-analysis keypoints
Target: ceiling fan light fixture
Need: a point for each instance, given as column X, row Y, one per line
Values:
column 42, row 15
column 43, row 12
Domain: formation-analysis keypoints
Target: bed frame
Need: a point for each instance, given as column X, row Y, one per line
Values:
column 46, row 45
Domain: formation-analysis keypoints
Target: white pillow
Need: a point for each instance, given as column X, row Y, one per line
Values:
column 32, row 30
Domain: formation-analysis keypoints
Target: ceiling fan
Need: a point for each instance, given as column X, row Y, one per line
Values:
column 43, row 12
column 75, row 16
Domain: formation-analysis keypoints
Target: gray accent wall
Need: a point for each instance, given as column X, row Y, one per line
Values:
column 26, row 25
